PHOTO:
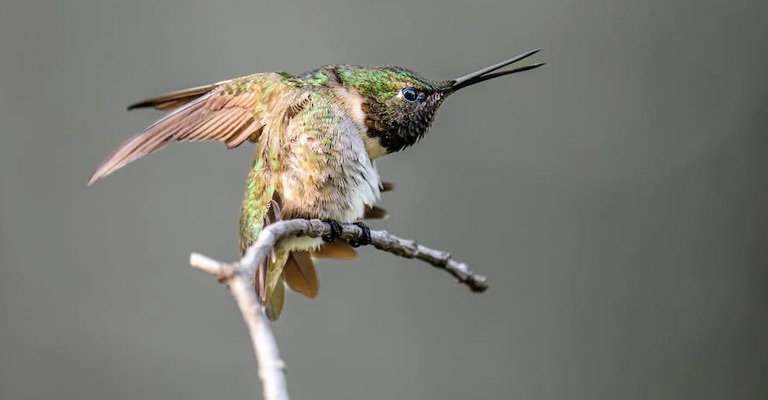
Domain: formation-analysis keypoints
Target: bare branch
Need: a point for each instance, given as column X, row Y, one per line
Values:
column 271, row 367
column 237, row 276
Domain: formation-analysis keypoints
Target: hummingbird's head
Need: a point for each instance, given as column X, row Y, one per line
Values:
column 399, row 104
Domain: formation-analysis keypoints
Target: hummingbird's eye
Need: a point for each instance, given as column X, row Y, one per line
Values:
column 410, row 94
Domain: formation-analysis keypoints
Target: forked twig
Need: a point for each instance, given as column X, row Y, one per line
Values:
column 237, row 276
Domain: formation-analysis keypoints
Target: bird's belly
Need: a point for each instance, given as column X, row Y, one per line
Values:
column 342, row 198
column 350, row 211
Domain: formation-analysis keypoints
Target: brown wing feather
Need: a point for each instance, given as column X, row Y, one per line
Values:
column 170, row 101
column 230, row 112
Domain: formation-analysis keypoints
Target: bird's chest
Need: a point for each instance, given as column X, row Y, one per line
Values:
column 328, row 176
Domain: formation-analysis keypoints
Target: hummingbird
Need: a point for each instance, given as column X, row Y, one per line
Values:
column 317, row 135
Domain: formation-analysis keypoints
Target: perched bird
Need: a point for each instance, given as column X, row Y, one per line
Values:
column 317, row 136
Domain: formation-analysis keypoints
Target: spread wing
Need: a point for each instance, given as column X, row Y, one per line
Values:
column 232, row 112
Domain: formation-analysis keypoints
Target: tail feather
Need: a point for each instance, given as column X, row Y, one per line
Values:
column 274, row 283
column 274, row 305
column 260, row 282
column 300, row 273
column 337, row 249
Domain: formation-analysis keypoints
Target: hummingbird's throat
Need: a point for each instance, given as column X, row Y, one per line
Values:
column 374, row 147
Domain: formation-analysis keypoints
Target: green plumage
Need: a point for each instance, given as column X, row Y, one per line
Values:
column 256, row 203
column 383, row 83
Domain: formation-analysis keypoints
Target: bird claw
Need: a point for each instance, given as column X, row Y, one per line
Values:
column 365, row 236
column 335, row 231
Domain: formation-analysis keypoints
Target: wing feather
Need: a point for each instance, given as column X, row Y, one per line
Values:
column 230, row 112
column 173, row 100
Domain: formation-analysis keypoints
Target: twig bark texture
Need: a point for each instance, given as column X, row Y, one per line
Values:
column 237, row 276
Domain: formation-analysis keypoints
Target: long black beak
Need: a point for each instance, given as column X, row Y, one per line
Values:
column 485, row 73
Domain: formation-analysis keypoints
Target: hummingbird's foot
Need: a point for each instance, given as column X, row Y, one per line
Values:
column 365, row 237
column 335, row 231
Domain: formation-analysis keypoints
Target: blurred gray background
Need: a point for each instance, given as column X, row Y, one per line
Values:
column 616, row 198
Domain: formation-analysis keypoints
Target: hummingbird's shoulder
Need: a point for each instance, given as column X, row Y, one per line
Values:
column 321, row 77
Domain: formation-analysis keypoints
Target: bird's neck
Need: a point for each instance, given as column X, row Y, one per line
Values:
column 353, row 102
